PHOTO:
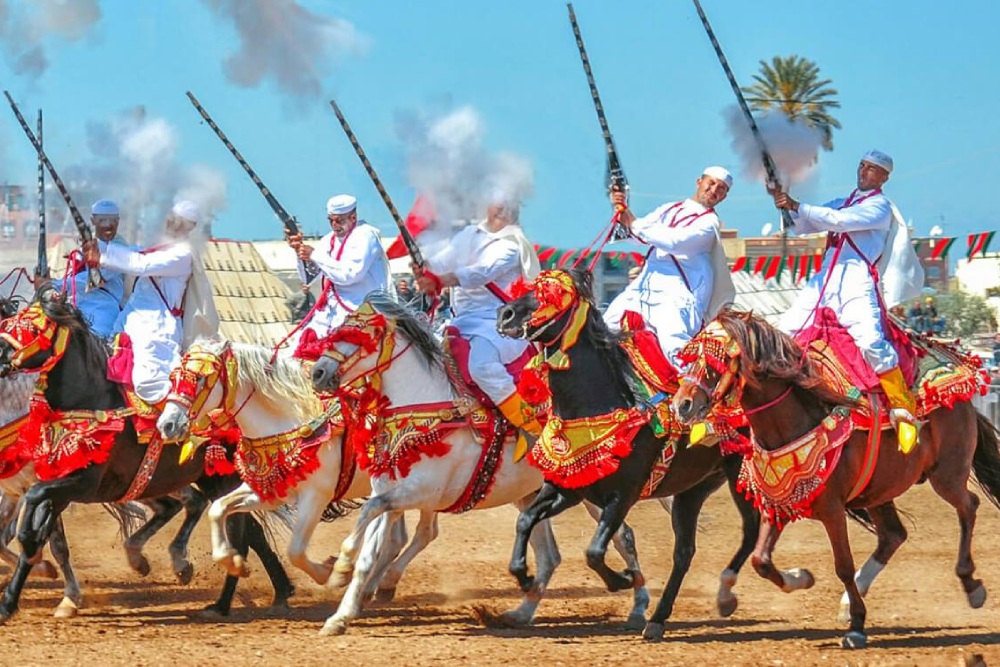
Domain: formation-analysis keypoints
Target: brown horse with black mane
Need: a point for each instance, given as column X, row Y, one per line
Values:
column 811, row 459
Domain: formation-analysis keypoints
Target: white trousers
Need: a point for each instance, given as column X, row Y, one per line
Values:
column 675, row 319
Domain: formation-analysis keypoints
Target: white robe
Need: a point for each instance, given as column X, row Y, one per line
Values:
column 851, row 292
column 155, row 332
column 354, row 266
column 477, row 257
column 674, row 290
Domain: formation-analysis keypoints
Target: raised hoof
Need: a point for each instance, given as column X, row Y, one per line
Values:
column 653, row 632
column 339, row 579
column 239, row 568
column 384, row 595
column 977, row 598
column 621, row 582
column 140, row 565
column 526, row 583
column 332, row 628
column 854, row 639
column 44, row 570
column 66, row 609
column 727, row 607
column 185, row 574
column 635, row 622
column 214, row 610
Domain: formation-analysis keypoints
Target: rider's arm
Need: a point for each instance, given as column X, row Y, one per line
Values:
column 171, row 262
column 698, row 237
column 872, row 213
column 498, row 258
column 362, row 249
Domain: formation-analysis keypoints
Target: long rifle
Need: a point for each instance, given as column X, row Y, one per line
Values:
column 42, row 268
column 765, row 155
column 411, row 244
column 309, row 268
column 616, row 175
column 94, row 278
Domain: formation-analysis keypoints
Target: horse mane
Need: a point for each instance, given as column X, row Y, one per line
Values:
column 600, row 337
column 283, row 382
column 58, row 309
column 416, row 330
column 769, row 353
column 15, row 393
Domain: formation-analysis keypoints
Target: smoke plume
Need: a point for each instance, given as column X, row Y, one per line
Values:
column 284, row 43
column 793, row 145
column 26, row 27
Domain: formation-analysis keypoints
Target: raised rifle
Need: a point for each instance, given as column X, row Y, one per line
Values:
column 309, row 268
column 94, row 277
column 769, row 167
column 411, row 243
column 42, row 268
column 616, row 175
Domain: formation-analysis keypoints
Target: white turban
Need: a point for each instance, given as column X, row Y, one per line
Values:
column 721, row 174
column 879, row 159
column 187, row 210
column 340, row 204
column 104, row 207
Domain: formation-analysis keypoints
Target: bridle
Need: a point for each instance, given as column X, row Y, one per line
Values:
column 193, row 381
column 372, row 334
column 713, row 349
column 30, row 332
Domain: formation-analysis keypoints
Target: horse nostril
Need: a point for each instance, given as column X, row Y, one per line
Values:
column 318, row 375
column 684, row 409
column 506, row 315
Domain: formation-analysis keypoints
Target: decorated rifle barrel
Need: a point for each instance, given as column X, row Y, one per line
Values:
column 93, row 274
column 616, row 175
column 287, row 220
column 411, row 244
column 43, row 260
column 769, row 166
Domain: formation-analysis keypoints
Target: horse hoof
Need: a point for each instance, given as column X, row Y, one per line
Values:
column 7, row 615
column 653, row 632
column 332, row 628
column 797, row 579
column 277, row 610
column 239, row 567
column 727, row 607
column 635, row 622
column 140, row 565
column 854, row 639
column 66, row 609
column 185, row 574
column 527, row 583
column 977, row 598
column 214, row 611
column 339, row 579
column 384, row 595
column 44, row 570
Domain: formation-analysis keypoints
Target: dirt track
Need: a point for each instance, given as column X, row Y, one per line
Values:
column 917, row 614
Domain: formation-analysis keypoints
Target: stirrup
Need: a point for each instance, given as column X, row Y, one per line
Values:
column 905, row 424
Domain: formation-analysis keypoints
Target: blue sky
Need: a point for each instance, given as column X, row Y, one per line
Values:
column 916, row 79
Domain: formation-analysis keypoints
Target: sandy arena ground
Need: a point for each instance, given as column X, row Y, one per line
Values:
column 917, row 614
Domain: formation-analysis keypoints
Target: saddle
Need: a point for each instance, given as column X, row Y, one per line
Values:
column 937, row 373
column 120, row 364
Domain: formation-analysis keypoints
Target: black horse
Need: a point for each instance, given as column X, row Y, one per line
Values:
column 594, row 384
column 77, row 380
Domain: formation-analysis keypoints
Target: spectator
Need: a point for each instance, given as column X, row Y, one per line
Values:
column 404, row 291
column 996, row 349
column 933, row 323
column 300, row 304
column 915, row 317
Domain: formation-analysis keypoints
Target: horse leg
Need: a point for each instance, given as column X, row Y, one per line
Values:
column 891, row 535
column 256, row 539
column 796, row 579
column 370, row 551
column 43, row 569
column 834, row 520
column 684, row 519
column 234, row 526
column 195, row 503
column 164, row 509
column 550, row 501
column 310, row 504
column 612, row 517
column 425, row 533
column 624, row 541
column 241, row 499
column 726, row 601
column 547, row 559
column 966, row 503
column 72, row 600
column 394, row 540
column 343, row 568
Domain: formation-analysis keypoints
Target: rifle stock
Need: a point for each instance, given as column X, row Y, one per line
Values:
column 309, row 268
column 94, row 277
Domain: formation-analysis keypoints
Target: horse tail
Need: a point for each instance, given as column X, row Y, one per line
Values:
column 129, row 517
column 986, row 460
column 277, row 522
column 862, row 518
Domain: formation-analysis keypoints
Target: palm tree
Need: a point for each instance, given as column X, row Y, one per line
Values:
column 792, row 85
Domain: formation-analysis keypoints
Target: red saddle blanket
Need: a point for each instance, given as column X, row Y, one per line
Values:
column 939, row 374
column 457, row 348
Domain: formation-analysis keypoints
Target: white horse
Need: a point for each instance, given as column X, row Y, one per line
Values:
column 383, row 347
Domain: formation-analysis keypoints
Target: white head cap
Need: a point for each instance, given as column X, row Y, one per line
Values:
column 340, row 204
column 879, row 159
column 721, row 174
column 187, row 210
column 104, row 207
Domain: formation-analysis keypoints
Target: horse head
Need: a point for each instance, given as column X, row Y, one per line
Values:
column 204, row 381
column 35, row 339
column 711, row 372
column 542, row 310
column 355, row 349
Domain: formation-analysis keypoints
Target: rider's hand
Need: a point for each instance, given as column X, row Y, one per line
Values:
column 294, row 240
column 304, row 251
column 91, row 253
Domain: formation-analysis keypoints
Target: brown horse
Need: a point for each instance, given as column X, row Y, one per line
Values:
column 785, row 399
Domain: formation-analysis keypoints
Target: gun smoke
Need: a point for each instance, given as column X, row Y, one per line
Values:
column 26, row 27
column 793, row 145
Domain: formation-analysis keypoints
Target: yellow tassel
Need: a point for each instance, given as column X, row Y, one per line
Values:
column 698, row 432
column 906, row 435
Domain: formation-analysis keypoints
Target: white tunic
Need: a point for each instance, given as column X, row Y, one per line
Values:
column 674, row 288
column 477, row 256
column 151, row 318
column 354, row 266
column 100, row 305
column 850, row 292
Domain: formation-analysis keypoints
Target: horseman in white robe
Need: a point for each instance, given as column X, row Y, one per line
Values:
column 153, row 317
column 350, row 260
column 866, row 238
column 100, row 305
column 479, row 266
column 685, row 278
